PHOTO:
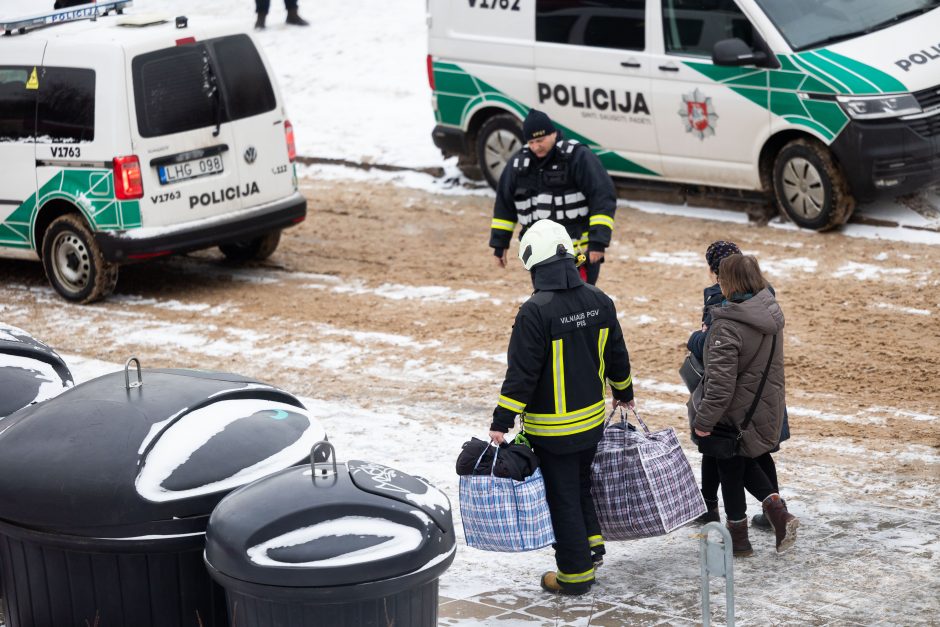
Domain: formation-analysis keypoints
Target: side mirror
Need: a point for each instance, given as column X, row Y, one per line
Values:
column 735, row 52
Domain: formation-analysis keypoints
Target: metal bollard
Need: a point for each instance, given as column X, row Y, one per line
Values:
column 717, row 561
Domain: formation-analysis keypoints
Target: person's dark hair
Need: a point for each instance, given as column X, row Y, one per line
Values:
column 740, row 274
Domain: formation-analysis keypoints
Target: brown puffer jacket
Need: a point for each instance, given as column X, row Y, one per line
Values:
column 736, row 352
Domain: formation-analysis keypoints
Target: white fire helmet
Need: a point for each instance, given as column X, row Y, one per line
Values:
column 542, row 243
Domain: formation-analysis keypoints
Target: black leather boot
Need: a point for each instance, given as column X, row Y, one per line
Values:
column 295, row 19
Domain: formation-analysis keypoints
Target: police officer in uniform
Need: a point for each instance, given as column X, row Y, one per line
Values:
column 566, row 347
column 558, row 179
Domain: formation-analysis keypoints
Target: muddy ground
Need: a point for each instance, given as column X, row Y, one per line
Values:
column 363, row 280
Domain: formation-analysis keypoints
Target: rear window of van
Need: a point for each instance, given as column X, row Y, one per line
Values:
column 200, row 85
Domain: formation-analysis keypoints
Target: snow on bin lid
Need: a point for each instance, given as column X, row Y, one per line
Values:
column 366, row 523
column 30, row 371
column 110, row 460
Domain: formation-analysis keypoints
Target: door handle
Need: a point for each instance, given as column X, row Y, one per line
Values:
column 629, row 64
column 668, row 68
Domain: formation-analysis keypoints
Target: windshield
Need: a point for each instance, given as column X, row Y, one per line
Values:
column 810, row 23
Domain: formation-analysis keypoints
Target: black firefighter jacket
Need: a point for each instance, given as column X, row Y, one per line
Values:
column 569, row 186
column 737, row 350
column 566, row 346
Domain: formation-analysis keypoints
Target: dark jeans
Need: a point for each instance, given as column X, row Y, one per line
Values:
column 710, row 479
column 574, row 519
column 735, row 475
column 262, row 6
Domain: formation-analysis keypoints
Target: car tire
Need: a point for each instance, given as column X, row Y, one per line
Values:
column 73, row 262
column 257, row 249
column 809, row 186
column 499, row 138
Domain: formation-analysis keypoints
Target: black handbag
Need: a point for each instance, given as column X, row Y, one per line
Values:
column 691, row 372
column 724, row 442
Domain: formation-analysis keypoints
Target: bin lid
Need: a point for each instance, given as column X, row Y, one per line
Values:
column 30, row 371
column 108, row 459
column 303, row 528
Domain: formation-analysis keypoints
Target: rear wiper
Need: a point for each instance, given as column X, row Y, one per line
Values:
column 210, row 87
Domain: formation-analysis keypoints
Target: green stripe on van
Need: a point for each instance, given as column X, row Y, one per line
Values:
column 884, row 81
column 458, row 93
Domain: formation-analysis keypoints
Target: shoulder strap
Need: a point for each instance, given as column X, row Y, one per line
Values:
column 760, row 388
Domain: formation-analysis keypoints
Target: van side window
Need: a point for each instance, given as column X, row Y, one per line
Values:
column 17, row 105
column 66, row 105
column 616, row 24
column 691, row 27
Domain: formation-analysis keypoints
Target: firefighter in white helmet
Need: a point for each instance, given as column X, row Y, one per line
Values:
column 566, row 348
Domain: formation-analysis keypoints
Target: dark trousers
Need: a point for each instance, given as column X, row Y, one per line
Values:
column 574, row 519
column 262, row 6
column 710, row 479
column 736, row 475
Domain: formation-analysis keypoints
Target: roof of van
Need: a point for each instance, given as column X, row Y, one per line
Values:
column 116, row 29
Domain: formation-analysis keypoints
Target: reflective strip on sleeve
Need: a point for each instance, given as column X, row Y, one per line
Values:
column 600, row 219
column 622, row 385
column 587, row 575
column 558, row 375
column 503, row 225
column 595, row 541
column 601, row 344
column 507, row 403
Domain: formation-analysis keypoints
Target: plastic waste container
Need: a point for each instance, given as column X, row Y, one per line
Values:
column 106, row 491
column 30, row 371
column 355, row 544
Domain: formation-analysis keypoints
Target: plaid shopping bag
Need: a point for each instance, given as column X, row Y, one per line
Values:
column 642, row 483
column 501, row 514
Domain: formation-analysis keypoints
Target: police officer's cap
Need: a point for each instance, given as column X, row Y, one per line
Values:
column 536, row 125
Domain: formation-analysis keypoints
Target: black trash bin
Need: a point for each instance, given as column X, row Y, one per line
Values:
column 356, row 544
column 106, row 491
column 30, row 371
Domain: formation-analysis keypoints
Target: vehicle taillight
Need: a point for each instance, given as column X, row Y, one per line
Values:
column 128, row 184
column 431, row 72
column 289, row 136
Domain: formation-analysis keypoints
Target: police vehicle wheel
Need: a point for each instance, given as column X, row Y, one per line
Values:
column 809, row 187
column 258, row 249
column 499, row 138
column 74, row 264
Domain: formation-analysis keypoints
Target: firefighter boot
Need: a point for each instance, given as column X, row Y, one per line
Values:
column 783, row 522
column 740, row 543
column 259, row 23
column 550, row 583
column 295, row 19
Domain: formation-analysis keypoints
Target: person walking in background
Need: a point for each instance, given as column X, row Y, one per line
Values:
column 262, row 7
column 559, row 179
column 713, row 297
column 743, row 361
column 566, row 347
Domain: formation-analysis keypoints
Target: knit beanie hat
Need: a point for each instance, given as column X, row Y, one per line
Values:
column 719, row 250
column 537, row 124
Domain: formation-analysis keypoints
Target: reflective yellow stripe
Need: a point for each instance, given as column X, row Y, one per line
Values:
column 595, row 541
column 510, row 404
column 601, row 344
column 572, row 428
column 503, row 225
column 601, row 220
column 569, row 416
column 587, row 575
column 622, row 385
column 558, row 374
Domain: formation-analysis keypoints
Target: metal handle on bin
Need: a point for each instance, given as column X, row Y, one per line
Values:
column 127, row 381
column 324, row 472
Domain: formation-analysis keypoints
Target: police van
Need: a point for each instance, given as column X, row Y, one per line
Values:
column 127, row 137
column 819, row 102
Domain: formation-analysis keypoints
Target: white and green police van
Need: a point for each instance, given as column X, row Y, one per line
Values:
column 125, row 138
column 821, row 102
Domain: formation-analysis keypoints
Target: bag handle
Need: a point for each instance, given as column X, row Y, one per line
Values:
column 640, row 420
column 760, row 389
column 480, row 458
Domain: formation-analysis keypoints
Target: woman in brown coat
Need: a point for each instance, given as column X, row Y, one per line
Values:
column 744, row 340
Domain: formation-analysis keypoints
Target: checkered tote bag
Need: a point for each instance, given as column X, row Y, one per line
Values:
column 502, row 514
column 642, row 483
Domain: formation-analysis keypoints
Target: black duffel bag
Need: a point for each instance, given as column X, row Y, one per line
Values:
column 515, row 461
